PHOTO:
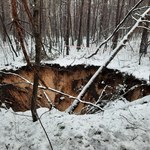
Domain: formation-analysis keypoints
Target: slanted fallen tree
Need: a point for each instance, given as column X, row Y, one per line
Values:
column 122, row 43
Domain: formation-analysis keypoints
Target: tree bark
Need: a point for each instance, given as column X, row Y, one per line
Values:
column 88, row 24
column 38, row 46
column 3, row 19
column 144, row 39
column 68, row 27
column 7, row 35
column 79, row 41
column 118, row 18
column 19, row 29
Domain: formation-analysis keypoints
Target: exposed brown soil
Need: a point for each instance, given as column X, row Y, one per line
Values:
column 16, row 93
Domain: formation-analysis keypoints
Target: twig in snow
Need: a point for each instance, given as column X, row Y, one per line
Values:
column 135, row 126
column 45, row 133
column 39, row 118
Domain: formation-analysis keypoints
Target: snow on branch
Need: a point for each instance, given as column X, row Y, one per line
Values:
column 144, row 27
column 116, row 29
column 50, row 89
column 105, row 64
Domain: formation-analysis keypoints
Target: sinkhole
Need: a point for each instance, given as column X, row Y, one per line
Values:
column 16, row 87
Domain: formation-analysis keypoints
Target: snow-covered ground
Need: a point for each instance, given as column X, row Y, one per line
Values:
column 122, row 126
column 127, row 60
column 119, row 127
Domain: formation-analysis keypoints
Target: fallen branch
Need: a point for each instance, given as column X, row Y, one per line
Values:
column 122, row 43
column 135, row 126
column 91, row 109
column 116, row 29
column 131, row 89
column 50, row 89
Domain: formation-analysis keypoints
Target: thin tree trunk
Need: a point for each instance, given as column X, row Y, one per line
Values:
column 79, row 41
column 68, row 28
column 88, row 24
column 75, row 20
column 19, row 29
column 115, row 38
column 7, row 35
column 117, row 28
column 38, row 46
column 116, row 50
column 3, row 19
column 144, row 39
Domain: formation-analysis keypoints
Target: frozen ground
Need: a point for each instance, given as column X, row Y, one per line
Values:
column 127, row 60
column 122, row 126
column 119, row 127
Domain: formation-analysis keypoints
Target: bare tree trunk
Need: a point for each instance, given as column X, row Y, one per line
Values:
column 79, row 41
column 95, row 20
column 7, row 35
column 68, row 27
column 144, row 39
column 38, row 47
column 19, row 29
column 116, row 50
column 115, row 38
column 104, row 21
column 75, row 20
column 3, row 19
column 88, row 24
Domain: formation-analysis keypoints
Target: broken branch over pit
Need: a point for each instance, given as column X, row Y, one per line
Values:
column 122, row 43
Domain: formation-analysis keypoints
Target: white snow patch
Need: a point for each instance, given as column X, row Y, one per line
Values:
column 117, row 128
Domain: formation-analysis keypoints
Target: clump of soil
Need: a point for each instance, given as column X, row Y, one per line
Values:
column 16, row 86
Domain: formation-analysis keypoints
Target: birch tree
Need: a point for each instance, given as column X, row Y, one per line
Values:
column 106, row 63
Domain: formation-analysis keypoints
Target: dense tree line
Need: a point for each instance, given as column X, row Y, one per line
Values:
column 69, row 22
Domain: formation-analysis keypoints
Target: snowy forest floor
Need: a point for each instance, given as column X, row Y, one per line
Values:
column 119, row 127
column 122, row 126
column 127, row 60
